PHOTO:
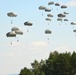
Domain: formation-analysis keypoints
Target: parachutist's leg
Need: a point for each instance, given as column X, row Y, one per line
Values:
column 42, row 14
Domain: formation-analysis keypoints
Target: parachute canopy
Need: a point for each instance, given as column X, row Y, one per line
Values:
column 49, row 15
column 73, row 23
column 27, row 23
column 19, row 32
column 48, row 31
column 65, row 12
column 57, row 4
column 74, row 30
column 11, row 34
column 63, row 6
column 61, row 15
column 65, row 19
column 50, row 3
column 48, row 19
column 12, row 14
column 14, row 29
column 47, row 10
column 42, row 7
column 59, row 19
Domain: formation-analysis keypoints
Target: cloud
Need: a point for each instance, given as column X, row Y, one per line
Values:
column 71, row 3
column 63, row 49
column 39, row 43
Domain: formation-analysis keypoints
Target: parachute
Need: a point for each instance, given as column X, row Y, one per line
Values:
column 27, row 23
column 11, row 14
column 47, row 10
column 63, row 6
column 42, row 7
column 11, row 34
column 49, row 15
column 48, row 31
column 14, row 29
column 50, row 3
column 61, row 15
column 57, row 4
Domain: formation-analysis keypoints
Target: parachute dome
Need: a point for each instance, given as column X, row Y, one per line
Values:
column 19, row 32
column 11, row 34
column 50, row 3
column 28, row 23
column 12, row 14
column 42, row 8
column 48, row 31
column 14, row 29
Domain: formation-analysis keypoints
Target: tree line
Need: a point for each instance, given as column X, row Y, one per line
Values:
column 56, row 64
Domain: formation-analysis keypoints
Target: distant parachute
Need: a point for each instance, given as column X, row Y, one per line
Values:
column 74, row 30
column 65, row 13
column 49, row 15
column 50, row 3
column 48, row 19
column 59, row 19
column 65, row 19
column 11, row 14
column 47, row 10
column 61, row 15
column 63, row 6
column 57, row 4
column 48, row 31
column 73, row 23
column 42, row 7
column 11, row 34
column 27, row 23
column 14, row 28
column 19, row 32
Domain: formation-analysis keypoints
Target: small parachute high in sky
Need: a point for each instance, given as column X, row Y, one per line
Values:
column 17, row 31
column 47, row 10
column 61, row 15
column 42, row 7
column 47, row 31
column 57, row 4
column 50, row 3
column 63, row 6
column 49, row 15
column 27, row 23
column 11, row 14
column 11, row 34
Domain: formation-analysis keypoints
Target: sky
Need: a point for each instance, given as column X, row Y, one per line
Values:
column 34, row 44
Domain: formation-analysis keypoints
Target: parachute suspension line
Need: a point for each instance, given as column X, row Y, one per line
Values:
column 48, row 40
column 11, row 21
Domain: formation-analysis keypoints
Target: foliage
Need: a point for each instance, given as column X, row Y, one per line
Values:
column 56, row 64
